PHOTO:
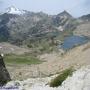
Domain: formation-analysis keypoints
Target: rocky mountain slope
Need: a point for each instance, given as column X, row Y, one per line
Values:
column 18, row 26
column 83, row 29
column 55, row 62
column 13, row 10
column 42, row 32
column 39, row 30
column 80, row 80
column 85, row 17
column 7, row 48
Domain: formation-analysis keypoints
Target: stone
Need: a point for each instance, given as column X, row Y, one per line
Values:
column 4, row 75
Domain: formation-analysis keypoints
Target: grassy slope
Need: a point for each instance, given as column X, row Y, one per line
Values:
column 21, row 59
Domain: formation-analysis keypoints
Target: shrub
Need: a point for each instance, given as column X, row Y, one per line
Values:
column 57, row 81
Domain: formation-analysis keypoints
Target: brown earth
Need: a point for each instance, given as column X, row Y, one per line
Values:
column 55, row 62
column 8, row 48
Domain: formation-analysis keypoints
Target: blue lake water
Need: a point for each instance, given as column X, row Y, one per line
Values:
column 73, row 41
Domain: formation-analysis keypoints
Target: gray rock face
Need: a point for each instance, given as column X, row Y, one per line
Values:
column 21, row 28
column 4, row 75
column 80, row 80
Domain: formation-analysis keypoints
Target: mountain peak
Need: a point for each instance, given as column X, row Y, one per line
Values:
column 65, row 13
column 13, row 10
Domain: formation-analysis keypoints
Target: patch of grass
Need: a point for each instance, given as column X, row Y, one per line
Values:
column 57, row 81
column 21, row 59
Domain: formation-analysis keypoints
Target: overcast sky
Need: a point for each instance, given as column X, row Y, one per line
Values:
column 74, row 7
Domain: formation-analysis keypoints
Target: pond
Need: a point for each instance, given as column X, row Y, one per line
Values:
column 73, row 41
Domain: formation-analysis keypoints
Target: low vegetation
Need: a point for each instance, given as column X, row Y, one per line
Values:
column 57, row 81
column 21, row 59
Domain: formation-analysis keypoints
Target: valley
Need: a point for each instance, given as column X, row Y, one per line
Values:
column 38, row 47
column 55, row 62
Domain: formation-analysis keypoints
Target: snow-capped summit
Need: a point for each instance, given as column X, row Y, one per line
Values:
column 13, row 10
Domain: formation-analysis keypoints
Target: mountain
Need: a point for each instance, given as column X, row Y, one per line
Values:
column 64, row 14
column 65, row 21
column 25, row 27
column 13, row 10
column 85, row 17
column 83, row 28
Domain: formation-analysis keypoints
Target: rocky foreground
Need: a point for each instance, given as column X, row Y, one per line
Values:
column 80, row 80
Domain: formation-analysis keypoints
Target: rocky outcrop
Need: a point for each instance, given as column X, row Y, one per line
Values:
column 80, row 80
column 4, row 75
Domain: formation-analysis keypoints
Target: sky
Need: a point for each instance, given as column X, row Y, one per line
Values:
column 75, row 7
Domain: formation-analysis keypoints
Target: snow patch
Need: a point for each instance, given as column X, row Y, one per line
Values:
column 13, row 10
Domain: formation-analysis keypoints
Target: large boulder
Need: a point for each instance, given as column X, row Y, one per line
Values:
column 4, row 75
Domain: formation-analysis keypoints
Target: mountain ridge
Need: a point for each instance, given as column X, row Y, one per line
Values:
column 23, row 28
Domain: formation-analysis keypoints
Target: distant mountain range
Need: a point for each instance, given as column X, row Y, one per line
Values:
column 21, row 26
